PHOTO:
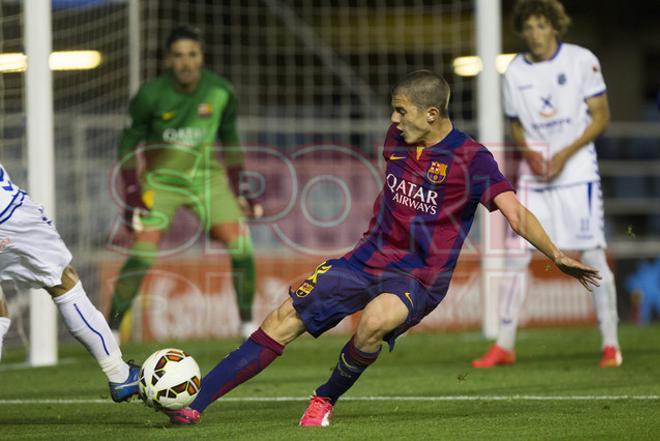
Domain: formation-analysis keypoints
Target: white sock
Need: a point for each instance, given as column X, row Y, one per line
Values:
column 87, row 324
column 604, row 297
column 511, row 296
column 4, row 327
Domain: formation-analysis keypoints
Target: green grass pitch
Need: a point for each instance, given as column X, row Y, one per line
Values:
column 555, row 391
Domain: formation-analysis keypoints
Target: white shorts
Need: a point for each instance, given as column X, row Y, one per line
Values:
column 571, row 215
column 32, row 253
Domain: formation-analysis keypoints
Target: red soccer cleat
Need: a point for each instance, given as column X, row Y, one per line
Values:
column 495, row 356
column 318, row 413
column 611, row 357
column 183, row 416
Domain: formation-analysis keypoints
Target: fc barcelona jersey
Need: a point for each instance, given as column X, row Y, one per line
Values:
column 426, row 207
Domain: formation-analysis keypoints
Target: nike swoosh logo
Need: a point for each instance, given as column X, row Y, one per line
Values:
column 407, row 294
column 395, row 157
column 125, row 385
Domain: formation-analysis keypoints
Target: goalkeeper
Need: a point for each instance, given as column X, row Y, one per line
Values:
column 179, row 116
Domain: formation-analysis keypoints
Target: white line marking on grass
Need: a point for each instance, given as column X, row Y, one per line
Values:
column 395, row 398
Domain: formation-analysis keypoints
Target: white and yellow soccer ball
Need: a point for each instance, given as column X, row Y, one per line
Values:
column 169, row 379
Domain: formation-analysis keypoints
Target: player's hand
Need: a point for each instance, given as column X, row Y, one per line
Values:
column 134, row 205
column 586, row 275
column 557, row 164
column 536, row 162
column 253, row 210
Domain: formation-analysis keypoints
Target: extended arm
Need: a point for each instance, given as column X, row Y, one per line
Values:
column 524, row 223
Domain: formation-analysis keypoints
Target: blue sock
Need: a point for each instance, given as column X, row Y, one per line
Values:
column 352, row 362
column 253, row 356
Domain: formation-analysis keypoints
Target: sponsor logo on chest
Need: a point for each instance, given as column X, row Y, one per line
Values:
column 413, row 195
column 189, row 136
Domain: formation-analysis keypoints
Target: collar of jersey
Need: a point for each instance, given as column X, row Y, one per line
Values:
column 453, row 139
column 559, row 45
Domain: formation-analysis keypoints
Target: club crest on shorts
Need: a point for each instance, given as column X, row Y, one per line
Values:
column 204, row 110
column 304, row 290
column 437, row 172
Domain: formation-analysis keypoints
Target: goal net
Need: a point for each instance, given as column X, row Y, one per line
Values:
column 312, row 80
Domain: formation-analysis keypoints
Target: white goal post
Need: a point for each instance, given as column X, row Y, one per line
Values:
column 41, row 167
column 488, row 31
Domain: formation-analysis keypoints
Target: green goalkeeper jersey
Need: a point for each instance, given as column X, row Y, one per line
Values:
column 180, row 130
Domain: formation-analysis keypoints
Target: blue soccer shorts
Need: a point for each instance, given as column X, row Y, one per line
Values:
column 337, row 289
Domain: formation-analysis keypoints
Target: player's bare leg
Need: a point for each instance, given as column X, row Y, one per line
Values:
column 283, row 324
column 5, row 322
column 235, row 236
column 281, row 327
column 383, row 314
column 88, row 326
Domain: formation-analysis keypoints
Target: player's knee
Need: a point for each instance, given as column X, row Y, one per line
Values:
column 240, row 250
column 141, row 261
column 371, row 327
column 283, row 324
column 230, row 233
column 68, row 280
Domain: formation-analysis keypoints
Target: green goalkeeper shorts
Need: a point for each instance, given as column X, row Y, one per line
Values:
column 207, row 194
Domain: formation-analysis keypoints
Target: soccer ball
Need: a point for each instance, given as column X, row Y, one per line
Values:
column 169, row 379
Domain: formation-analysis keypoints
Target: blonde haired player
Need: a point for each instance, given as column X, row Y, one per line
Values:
column 555, row 98
column 33, row 255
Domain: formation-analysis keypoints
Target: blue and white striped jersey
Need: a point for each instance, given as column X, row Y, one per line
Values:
column 11, row 196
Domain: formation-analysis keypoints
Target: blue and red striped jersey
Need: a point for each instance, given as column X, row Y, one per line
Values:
column 424, row 212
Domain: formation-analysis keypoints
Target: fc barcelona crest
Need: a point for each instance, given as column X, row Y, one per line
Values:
column 437, row 172
column 204, row 110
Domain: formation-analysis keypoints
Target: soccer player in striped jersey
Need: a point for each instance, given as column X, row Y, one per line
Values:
column 180, row 116
column 555, row 98
column 33, row 255
column 400, row 270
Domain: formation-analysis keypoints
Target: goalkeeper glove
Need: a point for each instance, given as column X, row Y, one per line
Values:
column 241, row 189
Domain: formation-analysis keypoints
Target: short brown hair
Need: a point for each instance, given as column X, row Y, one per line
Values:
column 424, row 89
column 553, row 10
